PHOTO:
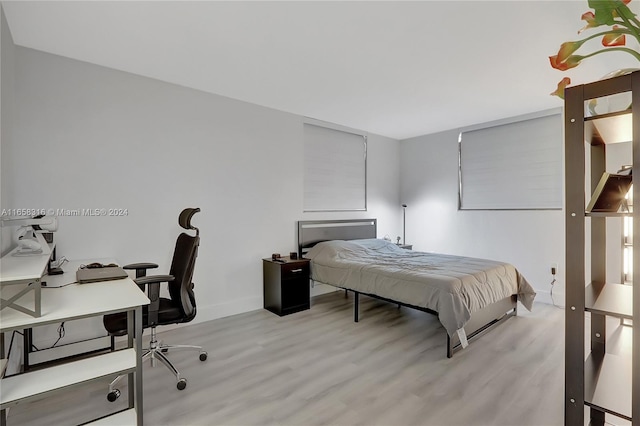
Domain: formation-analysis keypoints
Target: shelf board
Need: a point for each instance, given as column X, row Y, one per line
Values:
column 615, row 127
column 607, row 214
column 37, row 384
column 607, row 384
column 121, row 418
column 610, row 299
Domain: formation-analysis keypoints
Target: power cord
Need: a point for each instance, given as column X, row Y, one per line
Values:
column 44, row 285
column 553, row 281
column 58, row 263
column 61, row 333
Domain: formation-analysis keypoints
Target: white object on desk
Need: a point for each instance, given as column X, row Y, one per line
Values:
column 23, row 270
column 75, row 302
column 28, row 236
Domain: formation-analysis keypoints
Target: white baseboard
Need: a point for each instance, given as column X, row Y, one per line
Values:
column 240, row 306
column 317, row 289
column 211, row 312
column 234, row 307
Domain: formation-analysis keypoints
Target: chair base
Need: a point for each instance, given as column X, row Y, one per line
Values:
column 156, row 352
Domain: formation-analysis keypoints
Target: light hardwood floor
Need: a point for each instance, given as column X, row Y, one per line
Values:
column 318, row 367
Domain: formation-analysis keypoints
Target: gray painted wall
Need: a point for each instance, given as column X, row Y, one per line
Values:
column 7, row 64
column 530, row 240
column 99, row 138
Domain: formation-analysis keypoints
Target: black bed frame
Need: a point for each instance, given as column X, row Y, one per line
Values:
column 312, row 232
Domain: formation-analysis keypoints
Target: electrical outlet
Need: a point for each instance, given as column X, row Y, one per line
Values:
column 554, row 268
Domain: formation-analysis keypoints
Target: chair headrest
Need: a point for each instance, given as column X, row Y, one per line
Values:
column 184, row 219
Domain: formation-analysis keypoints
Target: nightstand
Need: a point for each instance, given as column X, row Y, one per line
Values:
column 286, row 285
column 406, row 246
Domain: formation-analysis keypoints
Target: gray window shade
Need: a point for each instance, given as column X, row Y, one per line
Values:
column 512, row 166
column 334, row 169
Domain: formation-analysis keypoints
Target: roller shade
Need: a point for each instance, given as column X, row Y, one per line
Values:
column 334, row 169
column 515, row 166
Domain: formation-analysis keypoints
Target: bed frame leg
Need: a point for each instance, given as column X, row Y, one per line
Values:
column 346, row 293
column 355, row 305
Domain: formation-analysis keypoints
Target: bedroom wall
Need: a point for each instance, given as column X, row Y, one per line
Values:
column 530, row 240
column 7, row 63
column 98, row 138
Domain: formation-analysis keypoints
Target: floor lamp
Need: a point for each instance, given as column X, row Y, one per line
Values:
column 404, row 223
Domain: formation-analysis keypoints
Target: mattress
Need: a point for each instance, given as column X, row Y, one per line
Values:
column 453, row 286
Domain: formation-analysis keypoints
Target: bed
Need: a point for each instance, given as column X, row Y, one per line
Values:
column 469, row 295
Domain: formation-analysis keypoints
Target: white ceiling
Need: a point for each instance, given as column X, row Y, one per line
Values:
column 398, row 69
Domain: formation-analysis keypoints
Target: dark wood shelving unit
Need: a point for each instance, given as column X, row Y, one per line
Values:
column 608, row 383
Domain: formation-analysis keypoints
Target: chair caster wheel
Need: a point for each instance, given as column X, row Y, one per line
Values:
column 113, row 395
column 182, row 383
column 203, row 356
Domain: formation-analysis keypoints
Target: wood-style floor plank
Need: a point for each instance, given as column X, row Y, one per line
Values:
column 318, row 367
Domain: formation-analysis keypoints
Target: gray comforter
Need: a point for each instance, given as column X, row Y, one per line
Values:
column 453, row 286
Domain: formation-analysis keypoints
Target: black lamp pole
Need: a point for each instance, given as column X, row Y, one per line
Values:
column 404, row 223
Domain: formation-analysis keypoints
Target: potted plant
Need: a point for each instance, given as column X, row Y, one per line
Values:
column 614, row 21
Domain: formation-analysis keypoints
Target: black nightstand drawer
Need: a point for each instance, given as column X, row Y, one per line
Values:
column 286, row 286
column 295, row 270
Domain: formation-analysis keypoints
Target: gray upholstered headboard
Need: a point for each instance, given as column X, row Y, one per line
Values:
column 311, row 232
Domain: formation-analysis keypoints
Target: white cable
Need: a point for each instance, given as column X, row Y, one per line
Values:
column 551, row 292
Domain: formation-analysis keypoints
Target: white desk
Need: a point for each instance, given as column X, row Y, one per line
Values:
column 71, row 302
column 23, row 270
column 67, row 349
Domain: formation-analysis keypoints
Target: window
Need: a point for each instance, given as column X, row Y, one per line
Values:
column 334, row 169
column 513, row 166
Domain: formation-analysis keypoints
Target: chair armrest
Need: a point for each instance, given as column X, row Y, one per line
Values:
column 154, row 279
column 152, row 282
column 141, row 268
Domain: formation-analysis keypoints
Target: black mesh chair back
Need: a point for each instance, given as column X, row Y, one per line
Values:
column 182, row 265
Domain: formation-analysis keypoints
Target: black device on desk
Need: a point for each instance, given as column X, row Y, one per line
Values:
column 50, row 270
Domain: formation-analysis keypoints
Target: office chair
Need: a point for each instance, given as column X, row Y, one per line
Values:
column 179, row 308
